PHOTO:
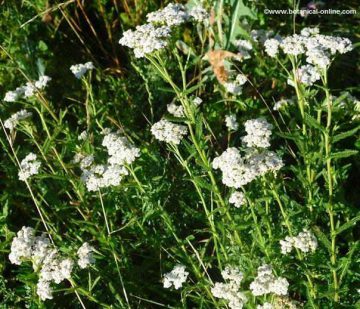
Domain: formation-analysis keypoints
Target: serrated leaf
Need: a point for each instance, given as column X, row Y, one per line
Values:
column 322, row 238
column 312, row 122
column 344, row 135
column 347, row 225
column 343, row 154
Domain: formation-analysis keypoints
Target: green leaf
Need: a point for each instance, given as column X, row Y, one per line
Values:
column 347, row 225
column 312, row 122
column 322, row 238
column 344, row 135
column 343, row 154
column 239, row 9
column 290, row 136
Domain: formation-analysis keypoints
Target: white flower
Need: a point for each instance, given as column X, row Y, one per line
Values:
column 317, row 47
column 55, row 268
column 83, row 136
column 308, row 74
column 282, row 104
column 176, row 277
column 21, row 246
column 146, row 39
column 286, row 245
column 199, row 14
column 305, row 241
column 244, row 47
column 233, row 274
column 238, row 199
column 85, row 254
column 45, row 258
column 293, row 45
column 238, row 171
column 258, row 133
column 231, row 122
column 120, row 152
column 234, row 87
column 119, row 149
column 168, row 132
column 272, row 47
column 171, row 15
column 318, row 57
column 40, row 250
column 230, row 291
column 31, row 87
column 29, row 166
column 12, row 96
column 42, row 82
column 261, row 35
column 280, row 286
column 265, row 283
column 241, row 79
column 103, row 176
column 44, row 290
column 12, row 122
column 197, row 101
column 175, row 110
column 28, row 90
column 80, row 69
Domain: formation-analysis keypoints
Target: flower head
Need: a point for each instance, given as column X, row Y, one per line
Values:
column 176, row 277
column 80, row 69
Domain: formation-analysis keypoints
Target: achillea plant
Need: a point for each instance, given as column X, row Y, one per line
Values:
column 199, row 185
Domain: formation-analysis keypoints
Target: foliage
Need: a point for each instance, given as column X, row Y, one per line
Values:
column 172, row 207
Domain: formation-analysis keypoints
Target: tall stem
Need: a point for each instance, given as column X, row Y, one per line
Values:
column 330, row 189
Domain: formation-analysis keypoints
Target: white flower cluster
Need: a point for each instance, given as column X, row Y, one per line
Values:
column 265, row 283
column 305, row 241
column 231, row 122
column 238, row 171
column 173, row 14
column 235, row 87
column 307, row 74
column 45, row 259
column 197, row 101
column 153, row 36
column 175, row 110
column 12, row 122
column 146, row 39
column 119, row 149
column 258, row 133
column 80, row 69
column 317, row 48
column 282, row 103
column 28, row 90
column 199, row 14
column 29, row 166
column 27, row 246
column 120, row 152
column 244, row 48
column 272, row 46
column 83, row 136
column 230, row 290
column 238, row 199
column 85, row 254
column 176, row 277
column 261, row 35
column 168, row 132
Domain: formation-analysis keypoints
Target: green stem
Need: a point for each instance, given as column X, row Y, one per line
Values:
column 331, row 212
